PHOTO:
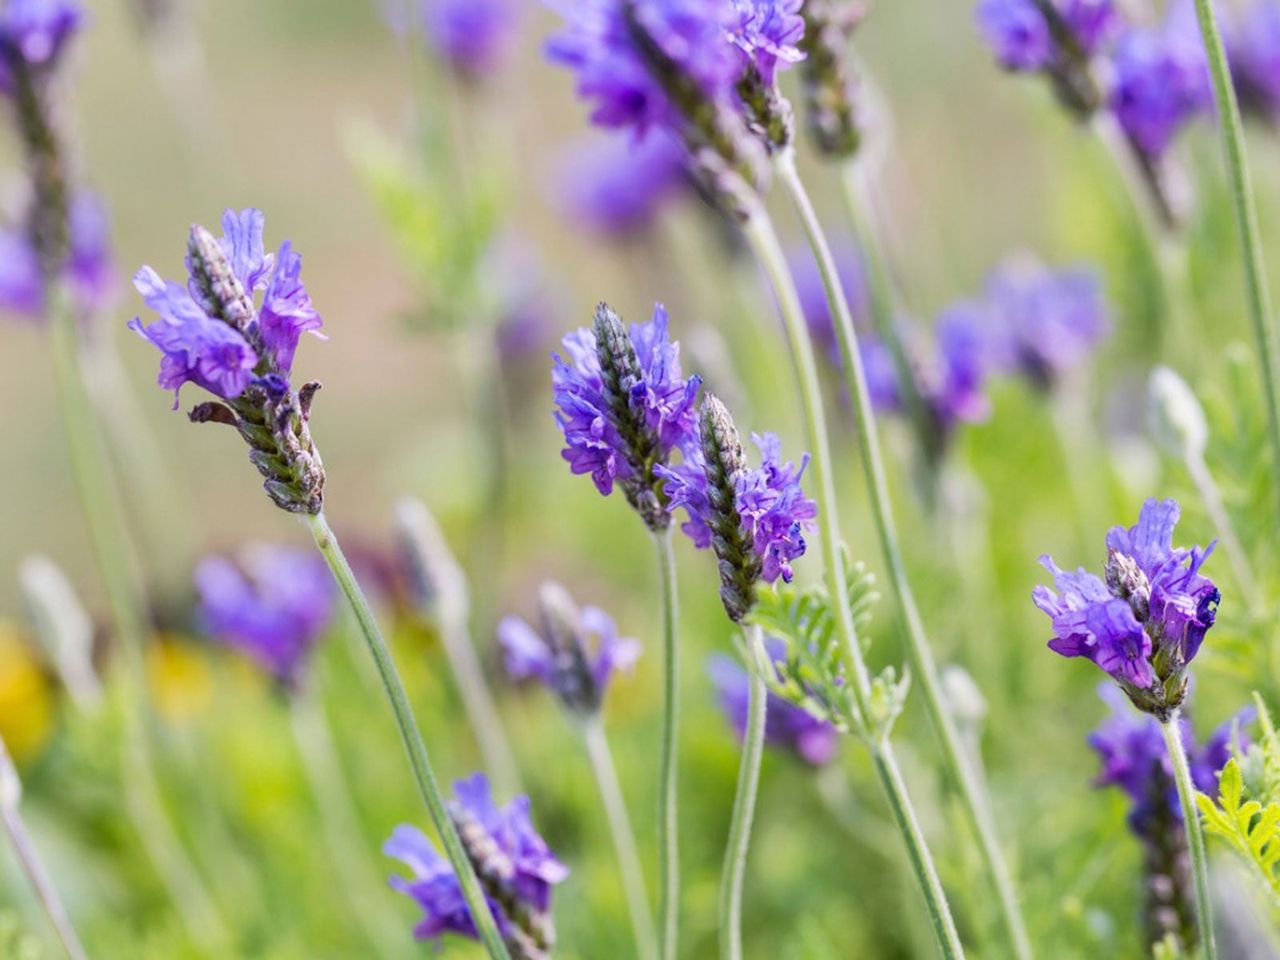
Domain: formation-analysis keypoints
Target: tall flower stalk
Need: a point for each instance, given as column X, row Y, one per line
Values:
column 1172, row 731
column 214, row 333
column 29, row 859
column 1246, row 215
column 976, row 803
column 575, row 654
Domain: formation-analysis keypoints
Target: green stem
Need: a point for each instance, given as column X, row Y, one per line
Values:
column 1211, row 497
column 340, row 824
column 414, row 746
column 744, row 801
column 668, row 774
column 1255, row 281
column 975, row 803
column 29, row 859
column 763, row 239
column 99, row 499
column 1195, row 837
column 624, row 838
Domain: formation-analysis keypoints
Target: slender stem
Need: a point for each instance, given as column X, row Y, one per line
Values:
column 763, row 239
column 624, row 838
column 1255, row 275
column 341, row 824
column 99, row 498
column 1172, row 730
column 414, row 746
column 922, row 660
column 668, row 773
column 477, row 700
column 744, row 801
column 1211, row 496
column 29, row 859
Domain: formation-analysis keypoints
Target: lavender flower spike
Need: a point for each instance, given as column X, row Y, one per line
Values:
column 1144, row 624
column 274, row 605
column 214, row 333
column 575, row 655
column 829, row 91
column 786, row 725
column 767, row 34
column 33, row 36
column 754, row 519
column 624, row 407
column 473, row 36
column 516, row 869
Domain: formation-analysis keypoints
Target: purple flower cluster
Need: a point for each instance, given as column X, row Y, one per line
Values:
column 514, row 864
column 34, row 34
column 616, row 187
column 575, row 656
column 474, row 37
column 786, row 725
column 623, row 403
column 272, row 603
column 202, row 347
column 1144, row 624
column 1135, row 759
column 771, row 506
column 1044, row 321
column 89, row 272
column 768, row 33
column 1253, row 50
column 1021, row 38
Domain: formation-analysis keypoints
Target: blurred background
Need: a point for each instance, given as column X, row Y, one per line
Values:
column 307, row 114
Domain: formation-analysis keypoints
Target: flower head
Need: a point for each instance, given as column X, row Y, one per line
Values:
column 786, row 725
column 213, row 332
column 272, row 603
column 574, row 655
column 33, row 35
column 1161, row 81
column 616, row 187
column 1023, row 39
column 754, row 519
column 1046, row 321
column 515, row 866
column 1145, row 623
column 473, row 36
column 827, row 75
column 768, row 34
column 624, row 406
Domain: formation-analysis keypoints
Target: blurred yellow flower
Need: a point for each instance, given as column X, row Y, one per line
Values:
column 26, row 697
column 181, row 682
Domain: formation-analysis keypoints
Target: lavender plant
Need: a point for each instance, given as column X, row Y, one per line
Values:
column 212, row 332
column 516, row 869
column 575, row 655
column 624, row 408
column 1142, row 624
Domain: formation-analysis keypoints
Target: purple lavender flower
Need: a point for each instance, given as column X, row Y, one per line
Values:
column 34, row 33
column 1161, row 80
column 616, row 186
column 1022, row 40
column 768, row 33
column 1253, row 50
column 273, row 603
column 1145, row 624
column 624, row 406
column 89, row 271
column 786, row 725
column 515, row 866
column 753, row 518
column 213, row 332
column 1047, row 321
column 575, row 655
column 473, row 36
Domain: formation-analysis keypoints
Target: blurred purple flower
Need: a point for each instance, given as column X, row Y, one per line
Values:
column 514, row 864
column 768, row 33
column 1046, row 321
column 1145, row 624
column 474, row 36
column 660, row 399
column 786, row 725
column 199, row 347
column 33, row 34
column 272, row 603
column 90, row 270
column 574, row 660
column 1020, row 37
column 1161, row 79
column 1253, row 50
column 617, row 186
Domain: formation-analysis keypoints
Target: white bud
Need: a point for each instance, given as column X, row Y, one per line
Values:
column 1176, row 418
column 10, row 785
column 439, row 585
column 62, row 626
column 961, row 694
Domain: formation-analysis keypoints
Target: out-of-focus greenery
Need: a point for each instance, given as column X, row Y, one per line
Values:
column 979, row 164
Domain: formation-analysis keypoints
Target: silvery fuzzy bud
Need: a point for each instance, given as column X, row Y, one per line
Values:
column 62, row 626
column 436, row 579
column 737, row 560
column 573, row 680
column 827, row 76
column 1176, row 417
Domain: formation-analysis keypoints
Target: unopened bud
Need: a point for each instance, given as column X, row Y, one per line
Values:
column 1176, row 417
column 62, row 627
